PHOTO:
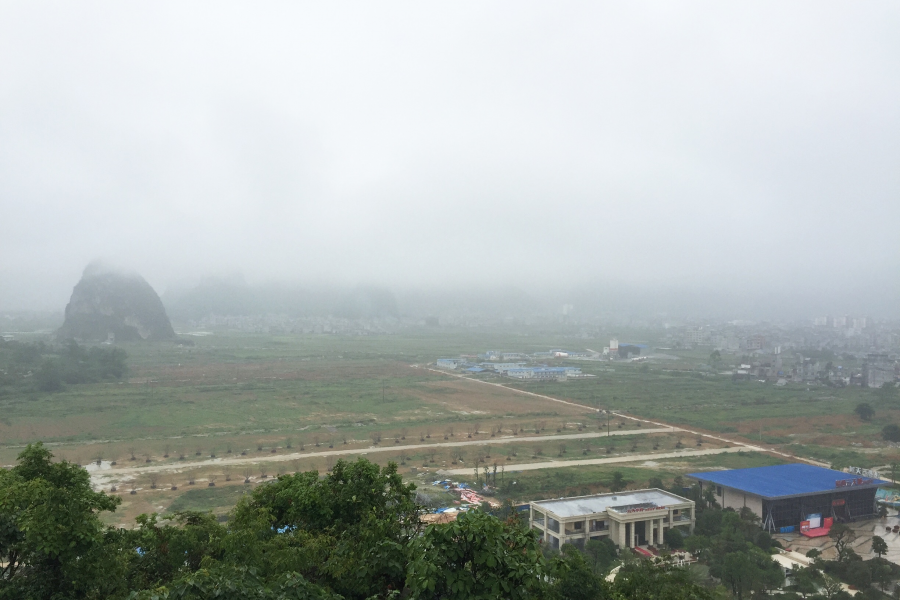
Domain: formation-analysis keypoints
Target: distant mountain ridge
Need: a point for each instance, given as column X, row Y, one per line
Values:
column 234, row 297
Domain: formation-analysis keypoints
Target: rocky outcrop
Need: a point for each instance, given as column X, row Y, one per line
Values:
column 108, row 303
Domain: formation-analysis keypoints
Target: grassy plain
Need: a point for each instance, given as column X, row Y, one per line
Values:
column 254, row 397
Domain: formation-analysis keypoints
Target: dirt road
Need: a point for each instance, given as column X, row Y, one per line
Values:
column 753, row 447
column 556, row 464
column 104, row 476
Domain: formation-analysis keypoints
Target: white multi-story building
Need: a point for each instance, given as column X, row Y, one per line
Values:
column 629, row 519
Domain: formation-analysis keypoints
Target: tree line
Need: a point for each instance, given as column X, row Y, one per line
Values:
column 48, row 368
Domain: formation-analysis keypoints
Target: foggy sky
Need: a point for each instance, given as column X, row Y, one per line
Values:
column 745, row 150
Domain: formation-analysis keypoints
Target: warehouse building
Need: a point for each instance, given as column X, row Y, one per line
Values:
column 629, row 519
column 543, row 373
column 449, row 363
column 795, row 497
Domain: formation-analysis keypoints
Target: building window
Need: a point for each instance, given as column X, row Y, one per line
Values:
column 538, row 518
column 718, row 490
column 552, row 524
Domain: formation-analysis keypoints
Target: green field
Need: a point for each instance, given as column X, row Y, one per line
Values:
column 249, row 395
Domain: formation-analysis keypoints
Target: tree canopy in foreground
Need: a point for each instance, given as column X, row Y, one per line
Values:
column 353, row 534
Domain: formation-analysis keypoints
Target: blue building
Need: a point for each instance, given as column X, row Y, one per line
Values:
column 786, row 496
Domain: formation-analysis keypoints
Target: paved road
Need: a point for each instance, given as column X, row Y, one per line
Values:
column 556, row 464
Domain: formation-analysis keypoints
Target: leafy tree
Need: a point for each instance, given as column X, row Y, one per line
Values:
column 831, row 587
column 891, row 433
column 355, row 525
column 842, row 536
column 864, row 411
column 881, row 571
column 749, row 571
column 695, row 544
column 229, row 582
column 674, row 538
column 879, row 546
column 573, row 578
column 806, row 580
column 173, row 547
column 476, row 557
column 644, row 580
column 51, row 538
column 49, row 376
column 618, row 482
column 600, row 555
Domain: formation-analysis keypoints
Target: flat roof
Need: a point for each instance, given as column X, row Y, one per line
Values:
column 781, row 481
column 586, row 505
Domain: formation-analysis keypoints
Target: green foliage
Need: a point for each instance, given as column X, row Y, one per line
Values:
column 356, row 524
column 864, row 411
column 644, row 580
column 600, row 555
column 843, row 536
column 235, row 583
column 52, row 366
column 351, row 535
column 674, row 538
column 888, row 393
column 879, row 546
column 476, row 557
column 748, row 570
column 806, row 580
column 860, row 573
column 574, row 579
column 618, row 482
column 736, row 549
column 48, row 523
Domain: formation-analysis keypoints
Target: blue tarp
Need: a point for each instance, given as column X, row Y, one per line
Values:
column 786, row 480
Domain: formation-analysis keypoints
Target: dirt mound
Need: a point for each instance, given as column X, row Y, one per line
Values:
column 109, row 302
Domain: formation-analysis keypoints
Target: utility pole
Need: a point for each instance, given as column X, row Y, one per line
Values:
column 607, row 417
column 382, row 391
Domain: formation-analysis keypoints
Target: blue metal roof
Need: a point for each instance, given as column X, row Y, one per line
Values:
column 786, row 480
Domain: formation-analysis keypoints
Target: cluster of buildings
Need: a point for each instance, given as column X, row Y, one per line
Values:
column 846, row 334
column 792, row 498
column 877, row 369
column 516, row 370
column 520, row 365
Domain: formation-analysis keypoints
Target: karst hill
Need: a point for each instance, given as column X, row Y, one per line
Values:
column 108, row 302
